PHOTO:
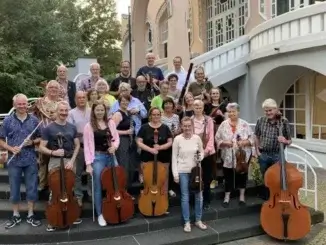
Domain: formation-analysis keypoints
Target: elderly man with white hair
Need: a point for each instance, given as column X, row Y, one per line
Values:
column 89, row 83
column 268, row 137
column 17, row 128
column 67, row 88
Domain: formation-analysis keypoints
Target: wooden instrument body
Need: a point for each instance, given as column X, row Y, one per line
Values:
column 241, row 163
column 62, row 214
column 285, row 202
column 118, row 206
column 153, row 193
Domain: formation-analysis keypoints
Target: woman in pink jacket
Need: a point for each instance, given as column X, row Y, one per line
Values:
column 98, row 150
column 204, row 127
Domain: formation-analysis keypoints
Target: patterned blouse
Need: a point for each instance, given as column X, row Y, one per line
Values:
column 169, row 121
column 226, row 133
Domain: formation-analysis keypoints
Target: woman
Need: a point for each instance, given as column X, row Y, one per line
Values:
column 201, row 87
column 145, row 141
column 102, row 88
column 216, row 110
column 172, row 121
column 127, row 151
column 98, row 153
column 188, row 109
column 157, row 101
column 204, row 127
column 174, row 92
column 232, row 134
column 92, row 97
column 185, row 147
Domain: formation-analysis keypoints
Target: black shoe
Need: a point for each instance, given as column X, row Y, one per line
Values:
column 206, row 207
column 225, row 204
column 242, row 203
column 78, row 221
column 15, row 220
column 33, row 221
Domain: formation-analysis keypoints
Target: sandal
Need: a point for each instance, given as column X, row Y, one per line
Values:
column 201, row 225
column 187, row 227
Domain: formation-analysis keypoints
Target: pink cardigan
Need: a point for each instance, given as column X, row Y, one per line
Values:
column 89, row 145
column 210, row 148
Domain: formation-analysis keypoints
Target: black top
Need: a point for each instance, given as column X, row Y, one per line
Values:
column 145, row 96
column 208, row 110
column 101, row 140
column 186, row 114
column 114, row 86
column 71, row 94
column 125, row 122
column 146, row 133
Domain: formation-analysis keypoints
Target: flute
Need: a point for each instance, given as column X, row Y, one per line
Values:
column 25, row 140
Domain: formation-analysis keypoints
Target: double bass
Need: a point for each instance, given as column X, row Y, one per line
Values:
column 118, row 205
column 283, row 216
column 153, row 200
column 63, row 210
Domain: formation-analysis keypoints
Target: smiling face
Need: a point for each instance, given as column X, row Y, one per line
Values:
column 101, row 87
column 99, row 111
column 187, row 127
column 270, row 112
column 189, row 99
column 62, row 111
column 80, row 99
column 52, row 89
column 198, row 108
column 124, row 103
column 21, row 104
column 155, row 116
column 215, row 94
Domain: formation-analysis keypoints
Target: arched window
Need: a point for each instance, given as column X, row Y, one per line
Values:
column 149, row 36
column 164, row 35
column 304, row 105
column 225, row 21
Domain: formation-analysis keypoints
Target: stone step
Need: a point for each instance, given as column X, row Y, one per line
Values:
column 216, row 193
column 216, row 210
column 141, row 231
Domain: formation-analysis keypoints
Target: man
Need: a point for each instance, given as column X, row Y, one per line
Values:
column 135, row 107
column 44, row 108
column 67, row 88
column 150, row 71
column 16, row 128
column 268, row 138
column 79, row 117
column 124, row 77
column 89, row 83
column 180, row 72
column 144, row 94
column 49, row 144
column 201, row 87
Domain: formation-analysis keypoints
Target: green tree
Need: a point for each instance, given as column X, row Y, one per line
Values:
column 35, row 36
column 101, row 33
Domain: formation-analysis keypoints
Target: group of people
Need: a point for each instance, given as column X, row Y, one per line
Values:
column 130, row 110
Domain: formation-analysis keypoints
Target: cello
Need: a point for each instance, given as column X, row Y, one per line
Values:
column 63, row 210
column 153, row 200
column 283, row 216
column 118, row 205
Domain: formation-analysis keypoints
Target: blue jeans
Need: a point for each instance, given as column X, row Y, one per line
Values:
column 101, row 161
column 185, row 209
column 266, row 160
column 31, row 182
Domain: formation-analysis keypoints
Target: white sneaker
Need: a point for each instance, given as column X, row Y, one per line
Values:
column 101, row 221
column 187, row 227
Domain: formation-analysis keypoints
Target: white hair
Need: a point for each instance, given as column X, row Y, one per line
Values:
column 233, row 105
column 104, row 82
column 198, row 102
column 269, row 103
column 19, row 96
column 53, row 82
column 150, row 54
column 62, row 66
column 63, row 102
column 94, row 64
column 125, row 86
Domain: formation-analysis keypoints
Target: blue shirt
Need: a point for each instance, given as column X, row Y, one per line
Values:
column 16, row 131
column 153, row 71
column 134, row 104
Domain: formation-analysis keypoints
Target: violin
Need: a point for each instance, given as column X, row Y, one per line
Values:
column 196, row 180
column 153, row 200
column 63, row 210
column 118, row 205
column 241, row 163
column 173, row 130
column 283, row 216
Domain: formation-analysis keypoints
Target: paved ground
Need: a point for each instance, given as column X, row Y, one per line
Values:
column 317, row 235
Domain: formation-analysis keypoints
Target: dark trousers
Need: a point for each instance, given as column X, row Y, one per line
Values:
column 207, row 178
column 172, row 185
column 234, row 180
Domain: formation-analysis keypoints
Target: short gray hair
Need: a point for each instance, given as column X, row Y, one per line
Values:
column 17, row 96
column 125, row 86
column 233, row 105
column 62, row 102
column 269, row 103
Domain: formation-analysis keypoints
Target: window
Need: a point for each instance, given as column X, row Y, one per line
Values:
column 149, row 36
column 262, row 9
column 279, row 7
column 304, row 105
column 226, row 20
column 164, row 35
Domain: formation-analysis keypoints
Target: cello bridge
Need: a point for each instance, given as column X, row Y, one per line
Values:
column 64, row 199
column 117, row 198
column 284, row 201
column 154, row 192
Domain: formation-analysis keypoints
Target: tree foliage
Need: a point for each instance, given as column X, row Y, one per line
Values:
column 37, row 35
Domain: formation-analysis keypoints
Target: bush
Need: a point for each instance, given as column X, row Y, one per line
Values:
column 255, row 171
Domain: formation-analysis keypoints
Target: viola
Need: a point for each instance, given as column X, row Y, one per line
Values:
column 118, row 205
column 63, row 210
column 241, row 163
column 153, row 200
column 196, row 180
column 283, row 216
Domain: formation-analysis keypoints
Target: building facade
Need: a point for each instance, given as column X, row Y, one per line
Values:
column 252, row 48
